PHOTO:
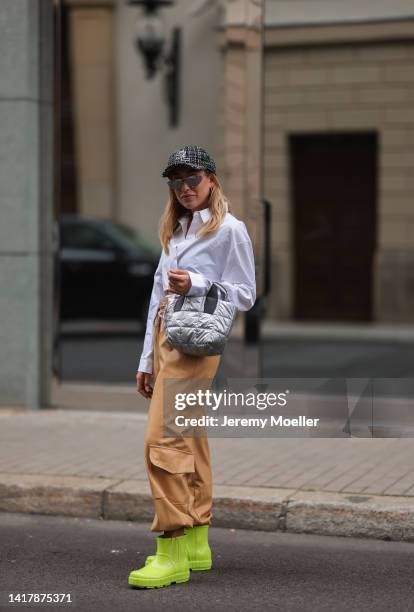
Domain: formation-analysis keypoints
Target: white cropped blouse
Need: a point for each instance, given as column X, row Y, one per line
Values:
column 225, row 256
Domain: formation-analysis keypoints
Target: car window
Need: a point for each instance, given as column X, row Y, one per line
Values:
column 131, row 238
column 78, row 236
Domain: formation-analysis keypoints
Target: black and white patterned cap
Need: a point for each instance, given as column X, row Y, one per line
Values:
column 191, row 156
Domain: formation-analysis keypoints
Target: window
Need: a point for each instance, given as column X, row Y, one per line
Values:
column 83, row 236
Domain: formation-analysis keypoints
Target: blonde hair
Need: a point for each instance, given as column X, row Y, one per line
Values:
column 217, row 203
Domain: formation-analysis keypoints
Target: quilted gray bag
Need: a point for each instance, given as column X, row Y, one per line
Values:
column 199, row 325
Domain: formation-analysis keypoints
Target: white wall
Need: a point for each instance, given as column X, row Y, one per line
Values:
column 144, row 138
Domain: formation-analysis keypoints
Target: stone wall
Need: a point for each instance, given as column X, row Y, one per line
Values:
column 338, row 88
column 92, row 64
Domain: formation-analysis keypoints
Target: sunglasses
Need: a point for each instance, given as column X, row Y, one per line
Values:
column 192, row 181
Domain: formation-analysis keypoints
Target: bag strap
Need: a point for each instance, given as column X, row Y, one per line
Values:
column 216, row 292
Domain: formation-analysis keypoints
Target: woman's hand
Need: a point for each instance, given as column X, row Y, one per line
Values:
column 143, row 384
column 180, row 281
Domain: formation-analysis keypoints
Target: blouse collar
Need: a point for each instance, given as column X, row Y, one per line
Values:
column 201, row 216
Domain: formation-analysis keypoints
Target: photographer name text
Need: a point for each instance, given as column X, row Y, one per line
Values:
column 260, row 422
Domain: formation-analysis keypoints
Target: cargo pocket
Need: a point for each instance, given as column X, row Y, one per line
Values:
column 170, row 473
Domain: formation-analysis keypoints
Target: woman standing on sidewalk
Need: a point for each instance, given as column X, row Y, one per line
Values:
column 202, row 243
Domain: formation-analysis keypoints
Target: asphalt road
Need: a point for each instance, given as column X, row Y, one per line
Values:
column 114, row 358
column 91, row 560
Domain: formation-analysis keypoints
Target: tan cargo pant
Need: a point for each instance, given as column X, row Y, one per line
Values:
column 178, row 469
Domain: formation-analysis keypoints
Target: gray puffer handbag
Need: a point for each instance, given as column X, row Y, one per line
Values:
column 199, row 325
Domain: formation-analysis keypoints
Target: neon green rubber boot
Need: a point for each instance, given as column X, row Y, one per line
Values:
column 169, row 565
column 199, row 552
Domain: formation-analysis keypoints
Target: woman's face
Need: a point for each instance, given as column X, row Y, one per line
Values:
column 192, row 198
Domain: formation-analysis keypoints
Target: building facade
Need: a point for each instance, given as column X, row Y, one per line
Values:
column 338, row 156
column 273, row 89
column 306, row 103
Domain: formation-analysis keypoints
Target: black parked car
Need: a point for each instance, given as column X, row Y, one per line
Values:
column 106, row 270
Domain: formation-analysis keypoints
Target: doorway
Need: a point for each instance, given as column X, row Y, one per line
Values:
column 334, row 201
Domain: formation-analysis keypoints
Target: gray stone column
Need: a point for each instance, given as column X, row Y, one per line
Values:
column 26, row 196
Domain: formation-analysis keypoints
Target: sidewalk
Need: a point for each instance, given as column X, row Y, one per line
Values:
column 89, row 463
column 270, row 329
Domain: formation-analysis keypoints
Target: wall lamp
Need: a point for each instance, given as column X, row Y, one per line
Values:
column 150, row 42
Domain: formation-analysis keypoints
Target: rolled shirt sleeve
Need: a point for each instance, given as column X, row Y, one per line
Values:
column 146, row 360
column 238, row 275
column 200, row 285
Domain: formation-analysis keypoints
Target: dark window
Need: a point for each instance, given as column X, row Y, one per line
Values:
column 130, row 237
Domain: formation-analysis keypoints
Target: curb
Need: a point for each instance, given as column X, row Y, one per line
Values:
column 287, row 510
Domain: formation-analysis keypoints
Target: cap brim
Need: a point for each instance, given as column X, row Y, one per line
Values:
column 169, row 168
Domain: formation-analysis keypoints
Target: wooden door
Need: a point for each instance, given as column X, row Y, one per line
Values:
column 333, row 186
